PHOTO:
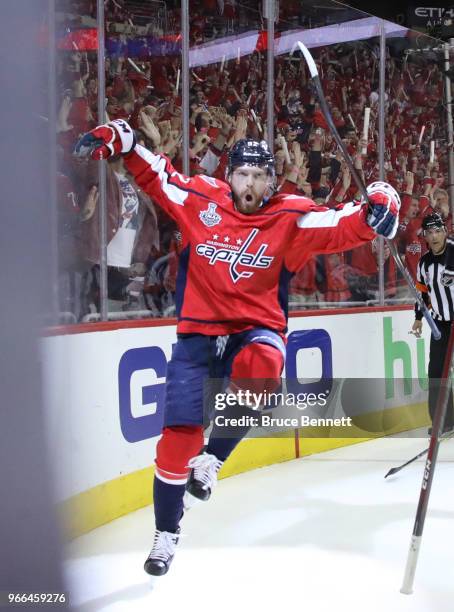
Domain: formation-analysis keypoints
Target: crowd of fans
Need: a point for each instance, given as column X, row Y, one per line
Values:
column 228, row 102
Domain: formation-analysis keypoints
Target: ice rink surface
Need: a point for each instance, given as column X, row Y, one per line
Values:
column 322, row 533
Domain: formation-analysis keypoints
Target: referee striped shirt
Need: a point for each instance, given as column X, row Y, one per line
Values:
column 439, row 299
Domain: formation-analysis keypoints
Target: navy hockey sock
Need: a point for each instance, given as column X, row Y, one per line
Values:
column 222, row 447
column 223, row 439
column 168, row 505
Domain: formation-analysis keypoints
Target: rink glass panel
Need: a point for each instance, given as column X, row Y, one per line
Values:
column 348, row 63
column 74, row 96
column 143, row 70
column 415, row 118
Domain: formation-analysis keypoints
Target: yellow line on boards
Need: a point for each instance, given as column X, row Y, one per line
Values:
column 108, row 501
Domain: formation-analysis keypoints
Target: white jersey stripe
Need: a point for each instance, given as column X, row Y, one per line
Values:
column 329, row 218
column 158, row 165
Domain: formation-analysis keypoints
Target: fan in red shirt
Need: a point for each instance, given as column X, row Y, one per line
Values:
column 303, row 286
column 411, row 244
column 241, row 246
column 335, row 280
column 364, row 272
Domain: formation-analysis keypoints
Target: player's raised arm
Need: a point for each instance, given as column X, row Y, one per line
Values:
column 153, row 172
column 343, row 228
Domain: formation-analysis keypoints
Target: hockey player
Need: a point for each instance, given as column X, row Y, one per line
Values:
column 242, row 244
column 435, row 280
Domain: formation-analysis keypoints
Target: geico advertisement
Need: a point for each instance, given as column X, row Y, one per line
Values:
column 105, row 391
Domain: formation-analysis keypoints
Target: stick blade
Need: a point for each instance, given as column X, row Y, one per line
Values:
column 309, row 59
column 391, row 472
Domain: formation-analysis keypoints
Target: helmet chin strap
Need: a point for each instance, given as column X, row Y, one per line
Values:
column 270, row 190
column 266, row 198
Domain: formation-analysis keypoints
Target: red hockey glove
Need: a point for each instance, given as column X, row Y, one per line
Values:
column 106, row 140
column 383, row 213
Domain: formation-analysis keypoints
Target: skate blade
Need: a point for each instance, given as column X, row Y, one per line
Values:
column 153, row 581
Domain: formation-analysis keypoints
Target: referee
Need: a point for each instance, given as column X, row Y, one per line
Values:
column 435, row 280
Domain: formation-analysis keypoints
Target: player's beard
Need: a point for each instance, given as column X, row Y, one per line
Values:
column 248, row 201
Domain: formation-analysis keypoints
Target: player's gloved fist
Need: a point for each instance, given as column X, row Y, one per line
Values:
column 383, row 211
column 106, row 140
column 447, row 277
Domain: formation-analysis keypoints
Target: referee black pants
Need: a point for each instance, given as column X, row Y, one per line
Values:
column 437, row 356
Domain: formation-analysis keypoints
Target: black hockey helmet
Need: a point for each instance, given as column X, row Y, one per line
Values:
column 432, row 221
column 246, row 152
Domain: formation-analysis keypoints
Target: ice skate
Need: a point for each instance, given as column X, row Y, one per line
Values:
column 162, row 553
column 203, row 476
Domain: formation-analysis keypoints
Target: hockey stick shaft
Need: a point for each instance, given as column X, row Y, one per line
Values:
column 429, row 470
column 362, row 188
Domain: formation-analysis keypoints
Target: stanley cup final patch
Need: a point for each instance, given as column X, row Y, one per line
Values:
column 210, row 217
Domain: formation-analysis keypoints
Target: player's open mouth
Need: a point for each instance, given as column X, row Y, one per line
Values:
column 248, row 198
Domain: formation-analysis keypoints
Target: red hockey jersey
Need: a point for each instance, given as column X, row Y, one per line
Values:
column 234, row 269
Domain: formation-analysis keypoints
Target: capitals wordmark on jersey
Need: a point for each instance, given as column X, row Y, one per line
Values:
column 236, row 256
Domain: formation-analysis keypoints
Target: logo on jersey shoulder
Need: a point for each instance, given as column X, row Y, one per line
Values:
column 414, row 248
column 210, row 217
column 236, row 256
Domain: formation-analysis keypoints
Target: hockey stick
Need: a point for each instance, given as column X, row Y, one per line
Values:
column 394, row 470
column 429, row 469
column 362, row 188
